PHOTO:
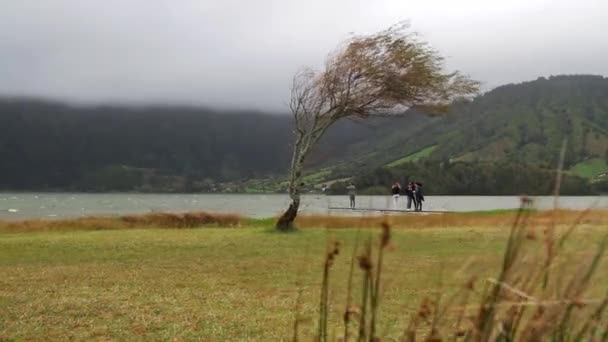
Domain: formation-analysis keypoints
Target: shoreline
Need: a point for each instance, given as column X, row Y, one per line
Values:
column 199, row 219
column 19, row 207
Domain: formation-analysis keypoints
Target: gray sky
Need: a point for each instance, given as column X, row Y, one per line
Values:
column 243, row 53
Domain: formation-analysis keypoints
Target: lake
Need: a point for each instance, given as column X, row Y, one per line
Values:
column 19, row 206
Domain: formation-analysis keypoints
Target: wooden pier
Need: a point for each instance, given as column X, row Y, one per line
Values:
column 393, row 210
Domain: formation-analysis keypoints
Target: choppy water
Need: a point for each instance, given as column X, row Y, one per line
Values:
column 18, row 206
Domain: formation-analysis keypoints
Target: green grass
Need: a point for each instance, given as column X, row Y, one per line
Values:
column 221, row 284
column 414, row 156
column 590, row 168
column 331, row 182
column 316, row 177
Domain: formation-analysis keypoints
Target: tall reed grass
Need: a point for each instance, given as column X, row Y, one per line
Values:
column 539, row 293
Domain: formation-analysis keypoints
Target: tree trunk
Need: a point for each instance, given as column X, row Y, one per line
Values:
column 285, row 222
column 304, row 143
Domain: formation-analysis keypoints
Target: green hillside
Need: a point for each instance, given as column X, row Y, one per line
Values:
column 591, row 168
column 524, row 122
column 519, row 126
column 55, row 146
column 414, row 156
column 527, row 123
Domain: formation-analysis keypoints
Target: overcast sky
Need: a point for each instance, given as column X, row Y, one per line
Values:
column 243, row 53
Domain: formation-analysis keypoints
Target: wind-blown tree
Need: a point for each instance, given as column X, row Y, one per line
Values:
column 383, row 74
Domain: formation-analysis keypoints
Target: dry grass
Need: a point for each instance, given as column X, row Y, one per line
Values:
column 153, row 220
column 476, row 219
column 201, row 219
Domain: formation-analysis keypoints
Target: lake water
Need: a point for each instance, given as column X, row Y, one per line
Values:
column 18, row 206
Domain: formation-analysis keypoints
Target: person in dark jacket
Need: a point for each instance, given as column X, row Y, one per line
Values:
column 352, row 192
column 418, row 196
column 409, row 192
column 395, row 191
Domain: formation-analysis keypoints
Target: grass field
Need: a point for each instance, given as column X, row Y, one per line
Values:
column 590, row 168
column 227, row 284
column 414, row 156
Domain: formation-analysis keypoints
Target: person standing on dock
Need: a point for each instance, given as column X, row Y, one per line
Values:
column 409, row 192
column 418, row 196
column 352, row 191
column 395, row 191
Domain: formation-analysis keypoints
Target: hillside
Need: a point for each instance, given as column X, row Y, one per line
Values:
column 525, row 122
column 47, row 145
column 519, row 123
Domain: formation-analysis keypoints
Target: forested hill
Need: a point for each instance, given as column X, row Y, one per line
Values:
column 47, row 145
column 528, row 122
column 524, row 122
column 513, row 125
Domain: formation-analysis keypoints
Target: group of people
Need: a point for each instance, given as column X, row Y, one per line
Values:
column 413, row 191
column 414, row 194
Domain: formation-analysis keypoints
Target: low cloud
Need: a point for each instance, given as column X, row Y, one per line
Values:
column 242, row 54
